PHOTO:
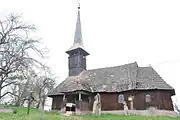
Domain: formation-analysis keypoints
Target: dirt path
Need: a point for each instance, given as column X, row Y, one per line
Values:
column 4, row 110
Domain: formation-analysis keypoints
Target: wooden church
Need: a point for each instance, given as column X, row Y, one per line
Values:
column 140, row 87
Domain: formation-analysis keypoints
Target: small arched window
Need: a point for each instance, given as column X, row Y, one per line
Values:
column 120, row 98
column 148, row 98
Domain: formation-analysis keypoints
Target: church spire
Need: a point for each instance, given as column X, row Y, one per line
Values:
column 78, row 42
column 77, row 53
column 78, row 34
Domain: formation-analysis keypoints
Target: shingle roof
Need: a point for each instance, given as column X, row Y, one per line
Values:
column 113, row 79
column 148, row 78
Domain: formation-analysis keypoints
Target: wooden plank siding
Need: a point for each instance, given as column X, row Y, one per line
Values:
column 109, row 101
column 57, row 102
column 160, row 99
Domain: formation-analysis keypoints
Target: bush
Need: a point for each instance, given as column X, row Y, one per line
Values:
column 14, row 111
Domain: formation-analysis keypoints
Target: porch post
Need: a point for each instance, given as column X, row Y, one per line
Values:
column 64, row 97
column 80, row 97
column 80, row 102
column 131, row 102
column 63, row 107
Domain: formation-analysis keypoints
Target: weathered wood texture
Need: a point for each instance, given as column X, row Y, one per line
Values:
column 159, row 99
column 109, row 101
column 57, row 102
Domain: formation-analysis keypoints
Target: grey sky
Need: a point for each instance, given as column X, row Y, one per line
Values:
column 115, row 32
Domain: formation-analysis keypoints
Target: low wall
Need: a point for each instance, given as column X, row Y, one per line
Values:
column 144, row 112
column 149, row 112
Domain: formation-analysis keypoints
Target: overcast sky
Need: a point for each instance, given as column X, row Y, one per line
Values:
column 115, row 32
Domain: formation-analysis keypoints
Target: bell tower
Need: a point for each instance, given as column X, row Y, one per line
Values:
column 77, row 53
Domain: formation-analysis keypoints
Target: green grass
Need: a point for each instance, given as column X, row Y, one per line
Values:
column 35, row 115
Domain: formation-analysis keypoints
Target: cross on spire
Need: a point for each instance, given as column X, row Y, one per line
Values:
column 79, row 6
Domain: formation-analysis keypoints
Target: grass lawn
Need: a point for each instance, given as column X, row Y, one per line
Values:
column 35, row 115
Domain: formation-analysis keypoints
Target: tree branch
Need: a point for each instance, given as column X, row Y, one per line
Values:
column 6, row 94
column 7, row 84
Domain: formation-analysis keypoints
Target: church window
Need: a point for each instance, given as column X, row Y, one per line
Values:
column 120, row 98
column 148, row 98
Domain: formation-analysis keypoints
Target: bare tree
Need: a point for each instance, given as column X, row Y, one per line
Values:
column 40, row 82
column 21, row 89
column 43, row 85
column 10, row 27
column 15, row 50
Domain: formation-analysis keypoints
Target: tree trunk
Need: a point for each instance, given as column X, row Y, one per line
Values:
column 0, row 93
column 37, row 106
column 43, row 102
column 17, row 103
column 0, row 96
column 0, row 89
column 23, row 102
column 29, row 105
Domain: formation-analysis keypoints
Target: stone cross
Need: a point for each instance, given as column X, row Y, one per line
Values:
column 97, row 105
column 125, row 108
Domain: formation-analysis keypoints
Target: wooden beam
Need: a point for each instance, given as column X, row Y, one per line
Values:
column 77, row 92
column 64, row 97
column 80, row 97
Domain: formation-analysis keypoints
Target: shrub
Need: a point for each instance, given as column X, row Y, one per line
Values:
column 14, row 111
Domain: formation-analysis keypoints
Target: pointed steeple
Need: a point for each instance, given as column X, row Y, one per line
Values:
column 78, row 42
column 78, row 34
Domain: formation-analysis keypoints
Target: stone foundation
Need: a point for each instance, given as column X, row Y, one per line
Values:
column 152, row 111
column 149, row 112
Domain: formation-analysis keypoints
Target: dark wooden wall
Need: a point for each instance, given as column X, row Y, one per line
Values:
column 159, row 99
column 57, row 102
column 109, row 101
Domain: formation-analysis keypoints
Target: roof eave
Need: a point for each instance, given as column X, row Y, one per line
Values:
column 73, row 49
